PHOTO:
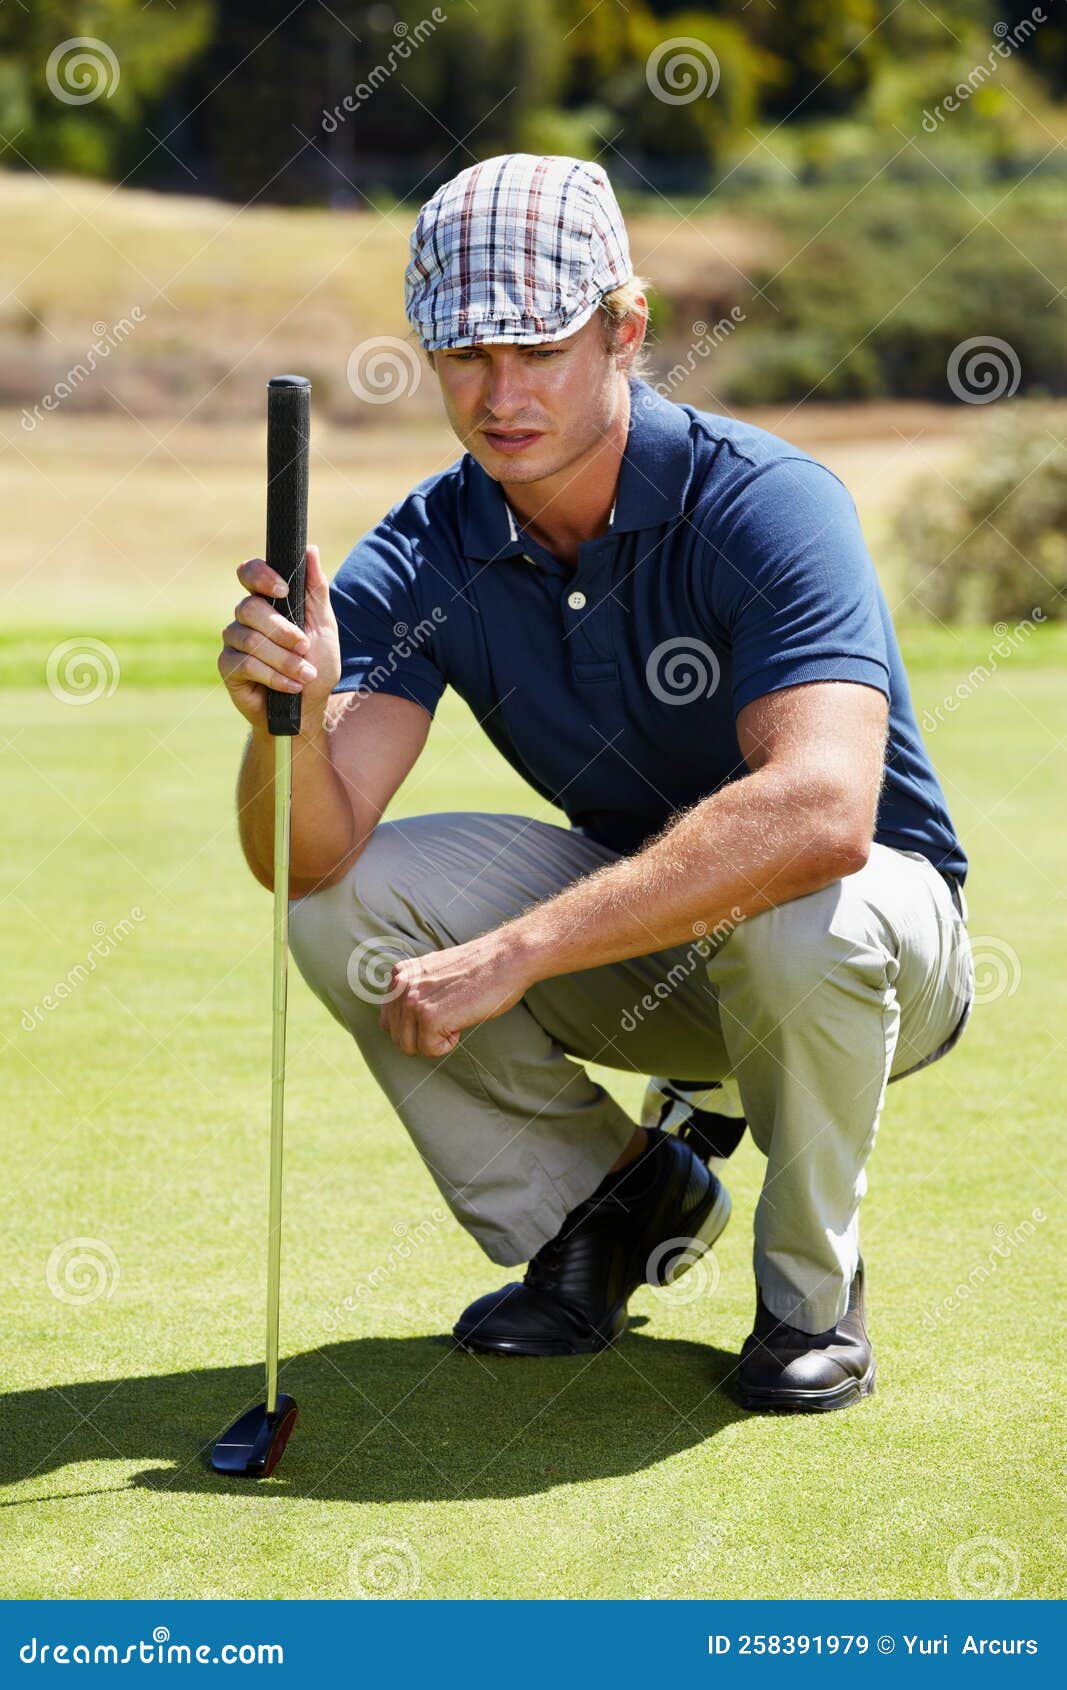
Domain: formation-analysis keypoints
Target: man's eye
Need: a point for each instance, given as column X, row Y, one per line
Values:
column 546, row 352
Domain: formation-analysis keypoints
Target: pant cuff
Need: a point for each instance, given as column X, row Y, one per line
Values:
column 560, row 1193
column 812, row 1309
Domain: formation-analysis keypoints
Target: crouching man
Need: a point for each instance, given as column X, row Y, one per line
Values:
column 668, row 623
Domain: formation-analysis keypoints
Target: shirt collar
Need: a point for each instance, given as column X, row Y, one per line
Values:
column 654, row 476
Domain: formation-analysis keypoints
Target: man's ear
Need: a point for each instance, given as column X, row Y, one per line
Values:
column 630, row 333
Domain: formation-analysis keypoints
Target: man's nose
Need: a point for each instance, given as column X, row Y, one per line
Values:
column 505, row 392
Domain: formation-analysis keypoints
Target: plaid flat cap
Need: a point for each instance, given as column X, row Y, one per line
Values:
column 517, row 248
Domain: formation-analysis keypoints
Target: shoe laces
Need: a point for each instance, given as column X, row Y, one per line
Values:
column 547, row 1263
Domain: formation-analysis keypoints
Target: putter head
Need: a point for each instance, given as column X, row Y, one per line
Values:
column 255, row 1443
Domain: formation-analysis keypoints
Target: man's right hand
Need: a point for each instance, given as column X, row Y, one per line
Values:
column 262, row 650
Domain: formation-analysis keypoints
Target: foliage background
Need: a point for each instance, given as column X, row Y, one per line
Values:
column 832, row 78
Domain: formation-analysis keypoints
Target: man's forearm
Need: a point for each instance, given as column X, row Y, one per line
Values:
column 322, row 824
column 802, row 819
column 760, row 841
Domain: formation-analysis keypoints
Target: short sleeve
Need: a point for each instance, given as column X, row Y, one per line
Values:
column 792, row 585
column 387, row 644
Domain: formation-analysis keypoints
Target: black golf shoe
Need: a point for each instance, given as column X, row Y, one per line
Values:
column 646, row 1224
column 805, row 1372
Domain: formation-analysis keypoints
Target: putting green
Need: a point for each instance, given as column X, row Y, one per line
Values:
column 136, row 1103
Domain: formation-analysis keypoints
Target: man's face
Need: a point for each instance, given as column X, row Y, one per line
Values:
column 527, row 412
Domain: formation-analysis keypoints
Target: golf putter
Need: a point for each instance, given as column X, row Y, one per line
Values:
column 254, row 1444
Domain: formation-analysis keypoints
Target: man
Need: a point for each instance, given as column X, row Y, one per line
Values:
column 668, row 623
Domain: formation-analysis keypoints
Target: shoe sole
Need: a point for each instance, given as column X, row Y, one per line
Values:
column 769, row 1400
column 511, row 1349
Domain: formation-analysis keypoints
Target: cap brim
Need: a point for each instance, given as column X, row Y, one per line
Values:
column 518, row 336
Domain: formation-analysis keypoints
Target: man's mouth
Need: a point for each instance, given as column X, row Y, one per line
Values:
column 511, row 439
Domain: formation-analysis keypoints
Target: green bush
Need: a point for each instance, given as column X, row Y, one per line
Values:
column 989, row 541
column 770, row 367
column 885, row 289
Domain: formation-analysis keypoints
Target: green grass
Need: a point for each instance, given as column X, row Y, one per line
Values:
column 136, row 1117
column 170, row 654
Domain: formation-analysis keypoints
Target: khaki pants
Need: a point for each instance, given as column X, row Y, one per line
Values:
column 811, row 1008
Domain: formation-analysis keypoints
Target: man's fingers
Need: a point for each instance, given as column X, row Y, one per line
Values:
column 255, row 612
column 393, row 1020
column 259, row 577
column 411, row 1030
column 316, row 585
column 414, row 1014
column 438, row 1043
column 401, row 1037
column 409, row 1026
column 239, row 666
column 239, row 638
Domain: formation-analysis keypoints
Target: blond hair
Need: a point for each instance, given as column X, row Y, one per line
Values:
column 616, row 308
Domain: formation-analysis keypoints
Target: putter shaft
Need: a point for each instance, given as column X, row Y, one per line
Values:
column 253, row 1445
column 283, row 789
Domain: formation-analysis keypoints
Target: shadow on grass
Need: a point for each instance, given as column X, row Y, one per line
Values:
column 388, row 1420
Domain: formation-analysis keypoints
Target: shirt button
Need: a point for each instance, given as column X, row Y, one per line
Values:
column 576, row 601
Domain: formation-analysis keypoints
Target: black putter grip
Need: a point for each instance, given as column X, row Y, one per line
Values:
column 288, row 436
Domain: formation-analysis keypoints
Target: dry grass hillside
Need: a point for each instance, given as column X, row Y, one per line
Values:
column 221, row 296
column 143, row 487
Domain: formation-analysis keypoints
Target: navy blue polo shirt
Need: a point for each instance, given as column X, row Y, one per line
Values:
column 733, row 565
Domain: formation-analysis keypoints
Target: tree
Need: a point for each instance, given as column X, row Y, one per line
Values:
column 77, row 78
